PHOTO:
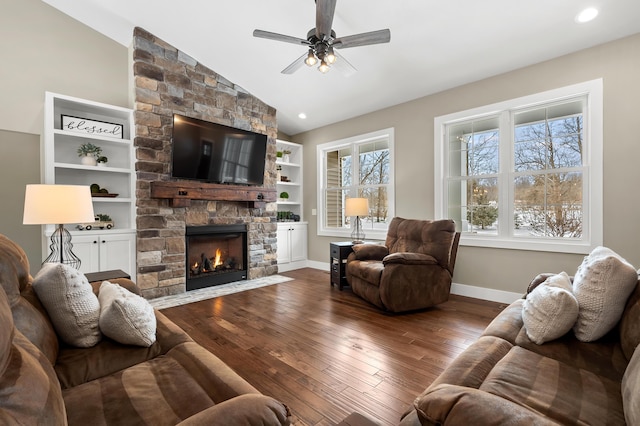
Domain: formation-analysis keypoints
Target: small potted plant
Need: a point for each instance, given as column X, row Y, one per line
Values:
column 284, row 196
column 89, row 154
column 279, row 155
column 102, row 161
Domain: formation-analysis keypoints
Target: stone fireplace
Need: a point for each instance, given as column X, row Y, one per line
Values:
column 167, row 81
column 216, row 254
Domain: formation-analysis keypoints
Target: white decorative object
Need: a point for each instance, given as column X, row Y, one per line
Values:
column 550, row 310
column 91, row 127
column 70, row 302
column 602, row 286
column 88, row 160
column 126, row 317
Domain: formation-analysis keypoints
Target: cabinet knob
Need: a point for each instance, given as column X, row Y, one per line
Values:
column 103, row 241
column 95, row 242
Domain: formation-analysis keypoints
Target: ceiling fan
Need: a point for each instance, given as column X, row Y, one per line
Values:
column 322, row 40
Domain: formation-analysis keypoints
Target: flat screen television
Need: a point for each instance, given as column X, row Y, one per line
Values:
column 215, row 153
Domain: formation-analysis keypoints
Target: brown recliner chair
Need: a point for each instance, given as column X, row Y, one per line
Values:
column 413, row 270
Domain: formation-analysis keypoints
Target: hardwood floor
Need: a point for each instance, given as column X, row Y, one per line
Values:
column 326, row 353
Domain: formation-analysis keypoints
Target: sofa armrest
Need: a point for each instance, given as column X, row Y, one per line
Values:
column 369, row 252
column 459, row 405
column 403, row 258
column 248, row 409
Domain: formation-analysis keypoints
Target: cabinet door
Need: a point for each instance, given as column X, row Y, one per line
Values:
column 117, row 251
column 87, row 247
column 284, row 252
column 298, row 242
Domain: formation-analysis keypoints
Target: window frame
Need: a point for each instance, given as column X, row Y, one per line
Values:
column 353, row 142
column 592, row 166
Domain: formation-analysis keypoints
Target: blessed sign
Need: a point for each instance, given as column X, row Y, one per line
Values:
column 92, row 127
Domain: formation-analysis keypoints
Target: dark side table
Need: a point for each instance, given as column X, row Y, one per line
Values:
column 338, row 262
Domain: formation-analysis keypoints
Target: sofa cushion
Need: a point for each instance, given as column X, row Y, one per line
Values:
column 631, row 390
column 561, row 392
column 75, row 366
column 550, row 310
column 126, row 317
column 422, row 236
column 602, row 286
column 70, row 302
column 29, row 390
column 162, row 391
column 629, row 324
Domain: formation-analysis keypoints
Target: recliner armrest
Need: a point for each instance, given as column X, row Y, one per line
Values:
column 404, row 258
column 370, row 251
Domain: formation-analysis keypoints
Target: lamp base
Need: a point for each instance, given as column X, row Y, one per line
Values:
column 357, row 234
column 61, row 249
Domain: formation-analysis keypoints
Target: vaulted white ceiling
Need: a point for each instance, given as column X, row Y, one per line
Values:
column 435, row 44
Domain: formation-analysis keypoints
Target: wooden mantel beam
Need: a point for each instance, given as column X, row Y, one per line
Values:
column 181, row 193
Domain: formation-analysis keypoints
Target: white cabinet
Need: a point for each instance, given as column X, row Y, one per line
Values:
column 292, row 245
column 69, row 123
column 289, row 183
column 107, row 251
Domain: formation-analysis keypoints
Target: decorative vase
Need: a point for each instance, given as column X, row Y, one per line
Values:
column 88, row 160
column 285, row 158
column 102, row 164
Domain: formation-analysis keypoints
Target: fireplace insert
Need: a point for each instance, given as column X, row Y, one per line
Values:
column 216, row 254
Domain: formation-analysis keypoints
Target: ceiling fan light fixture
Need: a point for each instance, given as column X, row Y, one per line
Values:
column 324, row 67
column 330, row 57
column 311, row 59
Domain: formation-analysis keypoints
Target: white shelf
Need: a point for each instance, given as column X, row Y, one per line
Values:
column 62, row 165
column 292, row 169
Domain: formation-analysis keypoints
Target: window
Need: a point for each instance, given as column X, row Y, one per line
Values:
column 362, row 167
column 525, row 173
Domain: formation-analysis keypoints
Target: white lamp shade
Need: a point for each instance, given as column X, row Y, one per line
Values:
column 357, row 207
column 57, row 204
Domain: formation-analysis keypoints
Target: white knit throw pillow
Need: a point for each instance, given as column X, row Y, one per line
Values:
column 602, row 286
column 126, row 317
column 70, row 302
column 550, row 310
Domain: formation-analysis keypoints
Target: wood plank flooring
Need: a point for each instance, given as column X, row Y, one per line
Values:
column 326, row 353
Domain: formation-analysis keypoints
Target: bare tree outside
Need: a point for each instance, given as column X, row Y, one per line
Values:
column 548, row 189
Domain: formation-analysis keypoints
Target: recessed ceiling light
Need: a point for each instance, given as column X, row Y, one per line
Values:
column 302, row 116
column 587, row 15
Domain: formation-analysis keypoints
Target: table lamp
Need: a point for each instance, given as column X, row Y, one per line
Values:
column 58, row 205
column 357, row 207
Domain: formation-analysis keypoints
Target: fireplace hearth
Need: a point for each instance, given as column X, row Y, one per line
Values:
column 216, row 254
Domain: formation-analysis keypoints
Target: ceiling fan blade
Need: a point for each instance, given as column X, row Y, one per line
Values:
column 363, row 39
column 343, row 66
column 324, row 17
column 279, row 37
column 295, row 65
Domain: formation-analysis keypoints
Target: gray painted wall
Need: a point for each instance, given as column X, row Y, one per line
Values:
column 45, row 50
column 618, row 63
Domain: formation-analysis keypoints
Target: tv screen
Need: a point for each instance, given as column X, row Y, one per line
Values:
column 216, row 153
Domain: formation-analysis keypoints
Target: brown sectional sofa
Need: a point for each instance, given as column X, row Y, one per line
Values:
column 505, row 379
column 174, row 381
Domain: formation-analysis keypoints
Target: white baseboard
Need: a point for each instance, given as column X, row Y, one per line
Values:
column 483, row 293
column 323, row 266
column 284, row 267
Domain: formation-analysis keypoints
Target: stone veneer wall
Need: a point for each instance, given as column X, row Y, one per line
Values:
column 168, row 81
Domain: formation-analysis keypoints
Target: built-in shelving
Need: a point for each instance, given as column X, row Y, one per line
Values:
column 62, row 165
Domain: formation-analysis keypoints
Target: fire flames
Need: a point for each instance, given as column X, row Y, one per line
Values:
column 218, row 259
column 208, row 265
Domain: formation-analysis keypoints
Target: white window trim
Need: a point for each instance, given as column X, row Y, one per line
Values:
column 380, row 234
column 593, row 198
